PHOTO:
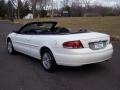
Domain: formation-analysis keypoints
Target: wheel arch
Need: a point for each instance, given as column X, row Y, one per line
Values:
column 54, row 64
column 42, row 49
column 8, row 38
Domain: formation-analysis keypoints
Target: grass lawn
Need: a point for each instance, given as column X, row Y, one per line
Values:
column 110, row 25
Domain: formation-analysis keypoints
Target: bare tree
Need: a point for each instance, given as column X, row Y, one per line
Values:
column 76, row 8
column 65, row 3
column 117, row 9
column 16, row 5
column 86, row 3
column 42, row 3
column 38, row 5
column 76, row 3
column 33, row 5
column 51, row 7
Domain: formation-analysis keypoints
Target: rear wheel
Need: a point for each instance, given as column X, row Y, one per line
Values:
column 48, row 61
column 10, row 47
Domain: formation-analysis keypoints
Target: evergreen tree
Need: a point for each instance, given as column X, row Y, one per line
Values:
column 22, row 9
column 3, row 9
column 26, row 9
column 11, row 10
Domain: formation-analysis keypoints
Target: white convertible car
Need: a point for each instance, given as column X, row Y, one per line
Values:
column 58, row 46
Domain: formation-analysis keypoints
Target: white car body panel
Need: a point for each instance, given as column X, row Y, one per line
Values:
column 32, row 44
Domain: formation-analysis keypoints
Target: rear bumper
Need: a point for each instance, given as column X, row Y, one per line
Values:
column 85, row 58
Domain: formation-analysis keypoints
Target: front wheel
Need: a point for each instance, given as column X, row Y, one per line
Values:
column 48, row 61
column 10, row 47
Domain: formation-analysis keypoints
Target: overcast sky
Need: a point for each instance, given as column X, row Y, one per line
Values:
column 108, row 2
column 103, row 2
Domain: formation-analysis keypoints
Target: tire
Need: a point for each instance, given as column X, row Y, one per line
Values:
column 10, row 47
column 48, row 61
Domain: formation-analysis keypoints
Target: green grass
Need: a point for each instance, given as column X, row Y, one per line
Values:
column 110, row 25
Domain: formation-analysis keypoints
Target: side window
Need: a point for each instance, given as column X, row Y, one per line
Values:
column 26, row 29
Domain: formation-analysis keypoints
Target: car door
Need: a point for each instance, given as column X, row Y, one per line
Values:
column 22, row 41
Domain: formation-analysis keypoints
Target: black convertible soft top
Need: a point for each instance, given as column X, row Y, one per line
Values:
column 41, row 30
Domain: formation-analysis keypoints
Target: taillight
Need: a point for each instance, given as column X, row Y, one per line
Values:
column 73, row 44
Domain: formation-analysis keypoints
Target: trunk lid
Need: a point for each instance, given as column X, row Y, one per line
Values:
column 92, row 40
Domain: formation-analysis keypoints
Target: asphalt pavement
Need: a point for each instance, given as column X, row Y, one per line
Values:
column 20, row 72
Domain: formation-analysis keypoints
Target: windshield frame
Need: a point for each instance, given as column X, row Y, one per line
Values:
column 53, row 24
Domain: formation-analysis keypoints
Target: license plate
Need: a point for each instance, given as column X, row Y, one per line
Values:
column 98, row 45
